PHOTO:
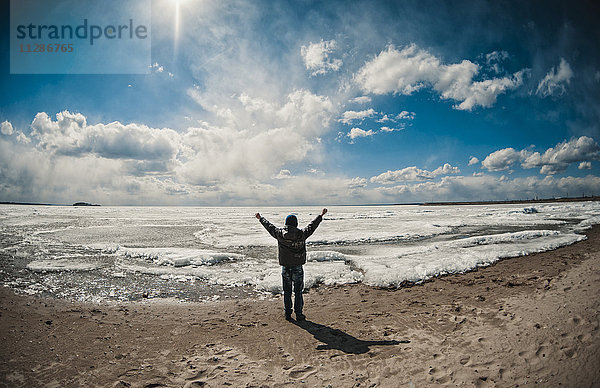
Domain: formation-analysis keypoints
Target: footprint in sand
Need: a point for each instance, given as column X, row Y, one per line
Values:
column 501, row 373
column 570, row 352
column 195, row 375
column 483, row 382
column 301, row 372
column 575, row 320
column 585, row 337
column 439, row 376
column 464, row 359
column 535, row 357
column 195, row 384
column 541, row 351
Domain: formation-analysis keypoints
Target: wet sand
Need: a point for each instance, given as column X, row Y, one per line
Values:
column 528, row 321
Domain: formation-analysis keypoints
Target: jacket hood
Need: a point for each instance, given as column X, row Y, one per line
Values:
column 291, row 232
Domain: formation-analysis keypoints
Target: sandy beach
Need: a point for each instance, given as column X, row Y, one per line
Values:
column 527, row 321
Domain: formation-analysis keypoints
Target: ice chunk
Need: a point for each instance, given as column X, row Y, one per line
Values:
column 61, row 265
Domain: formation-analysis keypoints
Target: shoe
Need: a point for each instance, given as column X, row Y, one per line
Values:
column 300, row 317
column 288, row 317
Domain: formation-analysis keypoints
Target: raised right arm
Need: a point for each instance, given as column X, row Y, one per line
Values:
column 310, row 229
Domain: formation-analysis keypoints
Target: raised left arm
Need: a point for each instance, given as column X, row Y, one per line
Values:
column 272, row 229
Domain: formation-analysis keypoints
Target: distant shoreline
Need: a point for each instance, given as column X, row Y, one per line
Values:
column 30, row 203
column 46, row 204
column 516, row 201
column 437, row 203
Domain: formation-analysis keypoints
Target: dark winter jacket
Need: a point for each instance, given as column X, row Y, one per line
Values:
column 291, row 241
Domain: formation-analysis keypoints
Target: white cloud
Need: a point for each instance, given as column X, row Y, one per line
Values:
column 258, row 137
column 384, row 119
column 585, row 166
column 216, row 155
column 283, row 174
column 554, row 82
column 396, row 71
column 406, row 115
column 306, row 189
column 156, row 67
column 496, row 56
column 30, row 174
column 410, row 69
column 220, row 165
column 554, row 160
column 255, row 104
column 350, row 115
column 361, row 100
column 317, row 58
column 22, row 138
column 388, row 129
column 134, row 163
column 446, row 169
column 70, row 134
column 306, row 112
column 6, row 128
column 503, row 159
column 485, row 187
column 358, row 182
column 207, row 158
column 494, row 59
column 413, row 173
column 473, row 160
column 406, row 174
column 481, row 93
column 357, row 132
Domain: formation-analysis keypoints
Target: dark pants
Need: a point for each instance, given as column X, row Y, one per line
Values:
column 293, row 276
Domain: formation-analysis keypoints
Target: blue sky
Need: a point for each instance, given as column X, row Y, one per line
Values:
column 254, row 103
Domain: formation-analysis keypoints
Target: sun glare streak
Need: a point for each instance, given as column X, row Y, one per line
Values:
column 176, row 26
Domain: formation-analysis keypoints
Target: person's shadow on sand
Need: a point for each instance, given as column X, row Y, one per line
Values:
column 337, row 339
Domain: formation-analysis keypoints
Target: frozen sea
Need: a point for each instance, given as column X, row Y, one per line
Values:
column 206, row 253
